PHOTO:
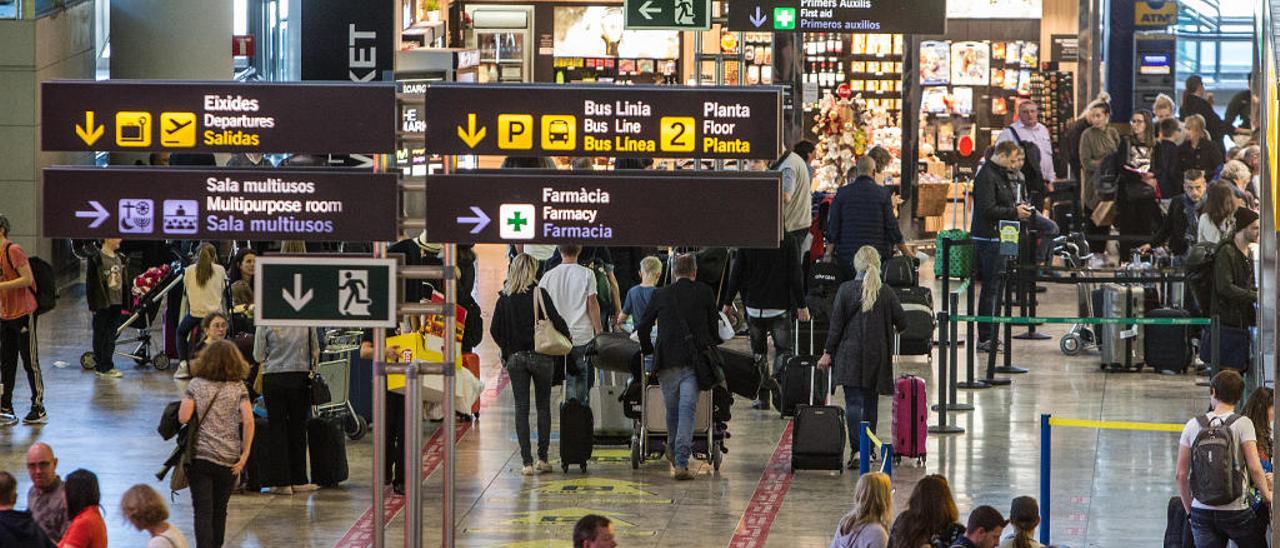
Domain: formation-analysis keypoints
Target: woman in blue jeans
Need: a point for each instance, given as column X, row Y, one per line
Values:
column 512, row 329
column 860, row 343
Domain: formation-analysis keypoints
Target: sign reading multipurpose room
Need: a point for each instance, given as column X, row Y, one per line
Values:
column 231, row 204
column 614, row 209
column 217, row 117
column 620, row 121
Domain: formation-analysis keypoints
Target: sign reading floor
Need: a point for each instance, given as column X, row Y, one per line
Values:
column 729, row 209
column 217, row 117
column 619, row 121
column 333, row 291
column 841, row 16
column 253, row 204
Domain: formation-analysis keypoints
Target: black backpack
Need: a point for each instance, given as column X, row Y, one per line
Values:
column 1110, row 170
column 45, row 291
column 1199, row 265
column 1217, row 469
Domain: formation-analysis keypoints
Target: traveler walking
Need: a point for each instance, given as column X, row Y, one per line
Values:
column 797, row 184
column 993, row 201
column 512, row 330
column 286, row 355
column 772, row 294
column 639, row 296
column 1024, row 516
column 862, row 214
column 105, row 291
column 867, row 525
column 1097, row 143
column 931, row 518
column 17, row 527
column 146, row 511
column 46, row 499
column 217, row 400
column 1164, row 160
column 1180, row 227
column 203, row 284
column 1217, row 214
column 687, row 312
column 1195, row 102
column 18, row 330
column 572, row 288
column 593, row 531
column 1217, row 454
column 985, row 526
column 84, row 510
column 860, row 344
column 1197, row 150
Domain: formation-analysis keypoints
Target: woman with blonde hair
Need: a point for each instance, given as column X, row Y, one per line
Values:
column 146, row 511
column 867, row 525
column 859, row 343
column 1198, row 151
column 202, row 288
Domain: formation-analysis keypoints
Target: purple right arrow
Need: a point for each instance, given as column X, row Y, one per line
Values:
column 759, row 18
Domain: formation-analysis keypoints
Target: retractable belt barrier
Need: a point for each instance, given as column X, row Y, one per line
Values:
column 867, row 443
column 1027, row 320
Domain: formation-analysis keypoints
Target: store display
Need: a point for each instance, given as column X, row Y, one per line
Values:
column 970, row 63
column 962, row 101
column 1055, row 92
column 995, row 9
column 591, row 45
column 935, row 63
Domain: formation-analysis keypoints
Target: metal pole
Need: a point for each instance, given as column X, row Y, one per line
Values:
column 1046, row 454
column 379, row 423
column 954, row 349
column 1009, row 289
column 412, row 457
column 450, row 415
column 971, row 383
column 864, row 448
column 991, row 379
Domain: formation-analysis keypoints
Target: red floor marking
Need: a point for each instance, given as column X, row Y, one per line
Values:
column 765, row 503
column 360, row 535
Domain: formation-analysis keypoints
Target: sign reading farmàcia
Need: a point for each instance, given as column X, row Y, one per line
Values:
column 604, row 120
column 841, row 16
column 139, row 116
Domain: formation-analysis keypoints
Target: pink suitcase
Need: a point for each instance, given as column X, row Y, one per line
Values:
column 910, row 418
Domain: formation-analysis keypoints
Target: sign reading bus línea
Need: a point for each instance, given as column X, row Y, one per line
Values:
column 231, row 204
column 841, row 16
column 144, row 116
column 630, row 121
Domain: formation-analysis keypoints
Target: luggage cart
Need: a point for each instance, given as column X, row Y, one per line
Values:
column 335, row 367
column 649, row 438
column 144, row 311
column 1074, row 250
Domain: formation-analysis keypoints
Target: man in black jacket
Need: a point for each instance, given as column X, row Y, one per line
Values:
column 772, row 290
column 17, row 528
column 1179, row 228
column 687, row 313
column 1233, row 281
column 993, row 201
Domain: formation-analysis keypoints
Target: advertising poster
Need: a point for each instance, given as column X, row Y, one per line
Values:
column 970, row 63
column 597, row 31
column 935, row 63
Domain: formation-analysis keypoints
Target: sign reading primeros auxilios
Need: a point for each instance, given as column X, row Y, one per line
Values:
column 182, row 204
column 840, row 16
column 218, row 117
column 613, row 209
column 630, row 121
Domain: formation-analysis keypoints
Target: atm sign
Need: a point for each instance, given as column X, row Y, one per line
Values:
column 1155, row 13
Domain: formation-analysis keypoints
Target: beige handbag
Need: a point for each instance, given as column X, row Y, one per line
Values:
column 1104, row 214
column 547, row 340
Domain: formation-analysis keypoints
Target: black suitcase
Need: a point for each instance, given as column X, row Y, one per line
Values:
column 811, row 336
column 824, row 280
column 1177, row 531
column 328, row 446
column 900, row 271
column 917, row 340
column 798, row 372
column 261, row 470
column 577, row 432
column 818, row 434
column 1168, row 347
column 915, row 295
column 741, row 373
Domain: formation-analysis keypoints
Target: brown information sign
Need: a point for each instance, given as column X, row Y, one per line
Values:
column 143, row 116
column 732, row 209
column 620, row 121
column 231, row 204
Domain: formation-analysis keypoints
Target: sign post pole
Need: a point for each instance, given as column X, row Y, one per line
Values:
column 379, row 422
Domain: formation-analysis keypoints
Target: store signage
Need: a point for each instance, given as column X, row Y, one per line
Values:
column 243, row 45
column 228, row 204
column 1155, row 14
column 841, row 16
column 1064, row 48
column 734, row 209
column 138, row 116
column 620, row 121
column 331, row 291
column 348, row 40
column 667, row 14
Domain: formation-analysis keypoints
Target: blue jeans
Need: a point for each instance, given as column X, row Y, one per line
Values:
column 680, row 394
column 525, row 369
column 1213, row 528
column 578, row 386
column 991, row 267
column 1047, row 230
column 779, row 327
column 860, row 404
column 188, row 324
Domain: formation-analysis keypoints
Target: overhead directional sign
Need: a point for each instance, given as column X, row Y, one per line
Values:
column 620, row 121
column 614, row 209
column 231, row 204
column 667, row 14
column 329, row 291
column 137, row 116
column 840, row 16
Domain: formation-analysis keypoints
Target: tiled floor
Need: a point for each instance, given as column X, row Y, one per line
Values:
column 1110, row 488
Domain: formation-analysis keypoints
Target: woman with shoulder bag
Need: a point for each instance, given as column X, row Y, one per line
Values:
column 202, row 288
column 286, row 355
column 1138, row 211
column 217, row 400
column 521, row 305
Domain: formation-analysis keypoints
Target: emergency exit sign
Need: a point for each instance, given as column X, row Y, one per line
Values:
column 667, row 14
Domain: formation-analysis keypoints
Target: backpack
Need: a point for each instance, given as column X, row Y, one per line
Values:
column 1110, row 170
column 1199, row 265
column 604, row 291
column 45, row 291
column 1217, row 471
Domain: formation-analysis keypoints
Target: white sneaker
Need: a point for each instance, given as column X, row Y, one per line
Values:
column 527, row 471
column 286, row 490
column 305, row 488
column 7, row 419
column 183, row 372
column 112, row 374
column 544, row 467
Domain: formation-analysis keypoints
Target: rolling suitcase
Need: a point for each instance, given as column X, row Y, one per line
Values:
column 741, row 373
column 818, row 434
column 1120, row 345
column 910, row 419
column 900, row 271
column 607, row 410
column 824, row 280
column 917, row 340
column 261, row 471
column 328, row 447
column 798, row 372
column 1167, row 348
column 962, row 259
column 471, row 362
column 577, row 432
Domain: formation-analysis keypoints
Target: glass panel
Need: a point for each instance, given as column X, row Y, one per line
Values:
column 1208, row 59
column 10, row 9
column 239, row 17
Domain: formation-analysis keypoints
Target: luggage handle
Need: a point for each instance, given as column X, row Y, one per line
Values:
column 826, row 396
column 796, row 349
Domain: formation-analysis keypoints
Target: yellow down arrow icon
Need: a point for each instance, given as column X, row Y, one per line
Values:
column 89, row 133
column 470, row 136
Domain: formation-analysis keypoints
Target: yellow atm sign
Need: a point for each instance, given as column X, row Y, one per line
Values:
column 633, row 121
column 1155, row 13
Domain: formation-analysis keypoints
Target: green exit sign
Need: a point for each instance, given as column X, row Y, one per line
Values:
column 325, row 292
column 667, row 14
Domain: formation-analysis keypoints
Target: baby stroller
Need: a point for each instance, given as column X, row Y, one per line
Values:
column 1075, row 253
column 148, row 292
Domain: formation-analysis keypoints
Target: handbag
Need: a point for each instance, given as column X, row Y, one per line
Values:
column 320, row 393
column 547, row 340
column 725, row 327
column 178, row 480
column 708, row 364
column 1104, row 214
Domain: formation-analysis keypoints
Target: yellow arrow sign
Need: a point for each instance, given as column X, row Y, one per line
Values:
column 470, row 136
column 89, row 133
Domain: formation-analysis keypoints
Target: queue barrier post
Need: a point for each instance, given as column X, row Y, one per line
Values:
column 1008, row 368
column 971, row 308
column 991, row 379
column 1046, row 455
column 954, row 358
column 864, row 447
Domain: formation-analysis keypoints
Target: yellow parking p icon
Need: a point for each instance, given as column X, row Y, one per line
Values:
column 515, row 131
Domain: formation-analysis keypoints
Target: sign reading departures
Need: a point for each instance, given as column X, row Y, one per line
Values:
column 217, row 117
column 332, row 291
column 620, row 121
column 841, row 16
column 230, row 204
column 613, row 209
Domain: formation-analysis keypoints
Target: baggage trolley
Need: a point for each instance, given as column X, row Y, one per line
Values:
column 1074, row 250
column 650, row 436
column 335, row 368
